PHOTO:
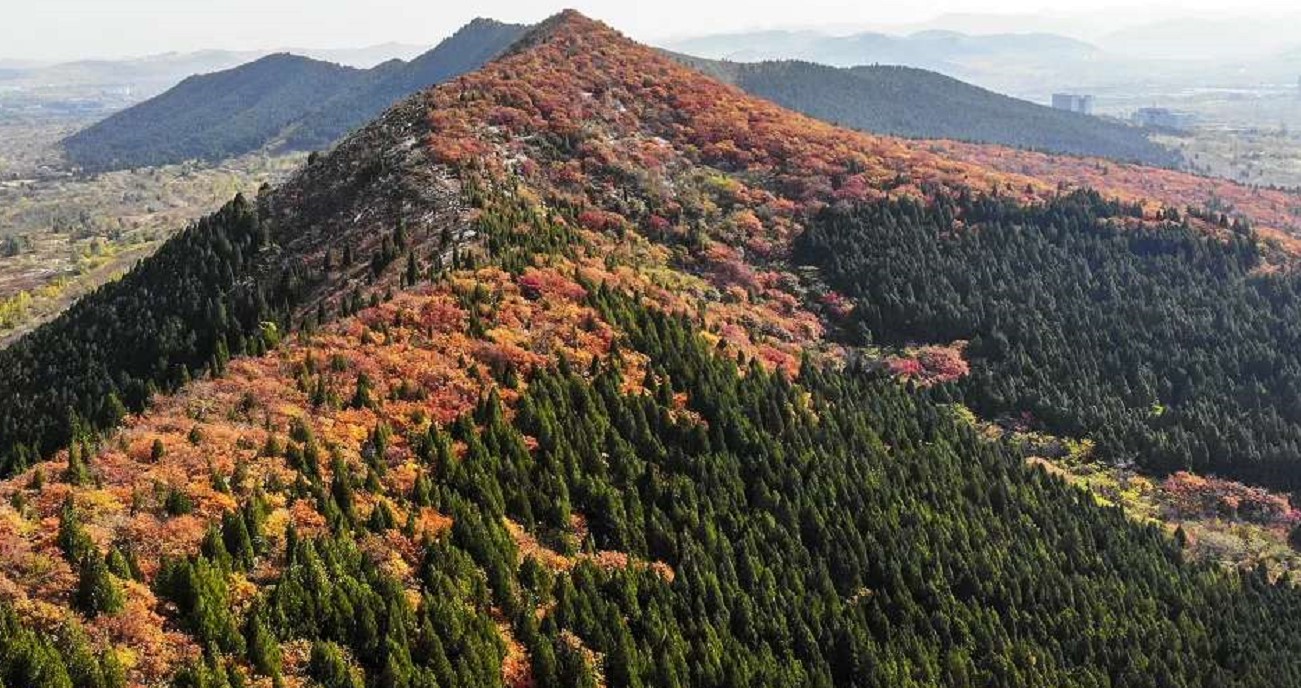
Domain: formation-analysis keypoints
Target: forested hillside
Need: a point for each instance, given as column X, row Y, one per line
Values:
column 231, row 284
column 211, row 116
column 904, row 101
column 541, row 385
column 282, row 101
column 1170, row 348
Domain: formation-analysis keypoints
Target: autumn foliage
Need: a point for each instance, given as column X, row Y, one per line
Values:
column 670, row 189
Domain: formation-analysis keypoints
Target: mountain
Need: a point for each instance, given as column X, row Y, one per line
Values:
column 180, row 124
column 903, row 101
column 932, row 49
column 949, row 52
column 150, row 74
column 586, row 369
column 464, row 51
column 282, row 99
column 153, row 74
column 365, row 57
column 1026, row 64
column 211, row 116
column 1224, row 38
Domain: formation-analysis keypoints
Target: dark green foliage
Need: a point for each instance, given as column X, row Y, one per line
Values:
column 361, row 397
column 381, row 518
column 72, row 538
column 866, row 538
column 198, row 589
column 916, row 103
column 77, row 472
column 97, row 591
column 177, row 503
column 332, row 594
column 237, row 540
column 263, row 647
column 1162, row 344
column 29, row 658
column 211, row 672
column 122, row 564
column 328, row 668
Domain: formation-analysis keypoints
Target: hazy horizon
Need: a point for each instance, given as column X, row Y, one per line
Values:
column 68, row 30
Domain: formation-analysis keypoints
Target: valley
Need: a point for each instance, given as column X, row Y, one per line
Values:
column 64, row 234
column 1254, row 156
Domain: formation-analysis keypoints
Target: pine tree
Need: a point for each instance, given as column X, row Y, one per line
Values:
column 97, row 591
column 328, row 668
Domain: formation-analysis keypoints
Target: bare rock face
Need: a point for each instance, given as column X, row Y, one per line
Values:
column 377, row 180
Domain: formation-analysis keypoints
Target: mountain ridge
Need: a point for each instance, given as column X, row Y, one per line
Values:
column 909, row 103
column 917, row 103
column 615, row 437
column 297, row 103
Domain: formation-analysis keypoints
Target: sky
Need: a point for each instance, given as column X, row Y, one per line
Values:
column 76, row 29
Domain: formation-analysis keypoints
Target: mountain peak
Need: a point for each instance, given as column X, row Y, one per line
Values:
column 567, row 25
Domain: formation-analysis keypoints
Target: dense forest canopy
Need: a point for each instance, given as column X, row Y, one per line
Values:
column 178, row 314
column 834, row 529
column 1171, row 348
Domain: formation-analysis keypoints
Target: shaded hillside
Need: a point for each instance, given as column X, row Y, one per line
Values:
column 903, row 101
column 280, row 100
column 212, row 116
column 585, row 424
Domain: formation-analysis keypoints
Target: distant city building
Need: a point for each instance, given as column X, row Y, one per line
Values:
column 1073, row 102
column 1163, row 118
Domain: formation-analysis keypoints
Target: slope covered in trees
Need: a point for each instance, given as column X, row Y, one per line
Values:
column 597, row 435
column 602, row 497
column 284, row 100
column 231, row 284
column 211, row 116
column 1170, row 348
column 915, row 103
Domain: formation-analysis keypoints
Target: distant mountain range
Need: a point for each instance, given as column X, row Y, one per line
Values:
column 915, row 103
column 296, row 103
column 154, row 74
column 1022, row 64
column 285, row 100
column 1142, row 60
column 932, row 49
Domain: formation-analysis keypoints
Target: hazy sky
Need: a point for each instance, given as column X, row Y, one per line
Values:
column 67, row 29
